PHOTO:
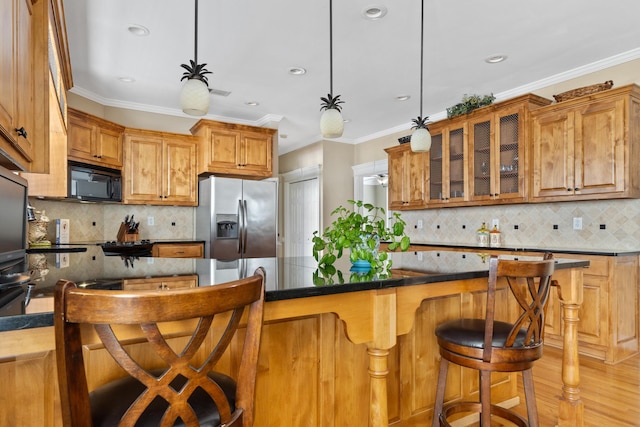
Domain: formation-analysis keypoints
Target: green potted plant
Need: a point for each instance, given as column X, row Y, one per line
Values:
column 469, row 103
column 360, row 234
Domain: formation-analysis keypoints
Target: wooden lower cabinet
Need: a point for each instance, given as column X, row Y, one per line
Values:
column 159, row 283
column 309, row 374
column 609, row 327
column 178, row 250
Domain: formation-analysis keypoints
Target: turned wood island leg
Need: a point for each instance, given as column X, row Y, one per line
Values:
column 570, row 406
column 378, row 371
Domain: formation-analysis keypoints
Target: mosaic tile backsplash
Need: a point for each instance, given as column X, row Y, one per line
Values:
column 90, row 222
column 606, row 224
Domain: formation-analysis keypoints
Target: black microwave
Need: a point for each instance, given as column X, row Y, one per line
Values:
column 94, row 183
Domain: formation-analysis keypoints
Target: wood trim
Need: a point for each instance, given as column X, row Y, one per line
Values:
column 59, row 26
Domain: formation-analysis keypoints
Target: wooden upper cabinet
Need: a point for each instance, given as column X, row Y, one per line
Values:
column 234, row 150
column 23, row 84
column 448, row 163
column 587, row 148
column 94, row 140
column 159, row 169
column 407, row 172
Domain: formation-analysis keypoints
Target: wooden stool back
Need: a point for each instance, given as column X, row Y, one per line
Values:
column 103, row 308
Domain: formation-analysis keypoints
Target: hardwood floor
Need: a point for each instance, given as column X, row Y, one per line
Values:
column 611, row 393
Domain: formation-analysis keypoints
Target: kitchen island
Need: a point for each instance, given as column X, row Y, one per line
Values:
column 337, row 350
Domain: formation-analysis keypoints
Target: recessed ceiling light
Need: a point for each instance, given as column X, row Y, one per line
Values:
column 138, row 30
column 297, row 71
column 374, row 12
column 284, row 136
column 252, row 103
column 494, row 59
column 347, row 120
column 402, row 97
column 126, row 79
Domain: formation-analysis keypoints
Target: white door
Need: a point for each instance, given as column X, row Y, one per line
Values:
column 302, row 217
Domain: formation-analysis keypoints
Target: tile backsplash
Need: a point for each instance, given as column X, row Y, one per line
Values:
column 606, row 224
column 91, row 222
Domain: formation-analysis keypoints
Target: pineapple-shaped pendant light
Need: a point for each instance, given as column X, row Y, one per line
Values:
column 331, row 121
column 194, row 97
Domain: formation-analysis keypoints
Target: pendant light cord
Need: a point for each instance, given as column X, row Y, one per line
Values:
column 421, row 52
column 330, row 47
column 195, row 36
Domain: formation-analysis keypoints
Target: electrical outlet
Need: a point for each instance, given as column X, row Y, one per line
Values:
column 577, row 223
column 419, row 256
column 495, row 223
column 419, row 224
column 150, row 220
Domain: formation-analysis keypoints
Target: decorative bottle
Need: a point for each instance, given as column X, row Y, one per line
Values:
column 494, row 237
column 483, row 235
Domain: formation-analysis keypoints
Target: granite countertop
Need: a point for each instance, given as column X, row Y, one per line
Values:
column 563, row 250
column 287, row 278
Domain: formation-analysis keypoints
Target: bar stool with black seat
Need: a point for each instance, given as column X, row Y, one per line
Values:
column 489, row 345
column 184, row 390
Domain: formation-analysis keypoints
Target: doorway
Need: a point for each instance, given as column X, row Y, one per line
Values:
column 301, row 211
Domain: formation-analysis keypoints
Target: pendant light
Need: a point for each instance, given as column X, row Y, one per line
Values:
column 331, row 122
column 194, row 98
column 421, row 138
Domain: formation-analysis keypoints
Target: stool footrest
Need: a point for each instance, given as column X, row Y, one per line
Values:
column 475, row 407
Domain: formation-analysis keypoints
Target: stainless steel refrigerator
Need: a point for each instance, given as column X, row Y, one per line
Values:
column 237, row 218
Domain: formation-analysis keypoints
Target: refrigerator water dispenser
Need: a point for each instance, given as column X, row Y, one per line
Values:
column 226, row 226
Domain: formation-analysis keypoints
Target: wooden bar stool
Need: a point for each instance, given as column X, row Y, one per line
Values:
column 489, row 345
column 185, row 390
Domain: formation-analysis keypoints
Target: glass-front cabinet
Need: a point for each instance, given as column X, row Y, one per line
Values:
column 448, row 169
column 479, row 158
column 497, row 152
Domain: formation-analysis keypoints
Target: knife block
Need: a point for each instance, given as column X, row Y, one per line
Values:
column 123, row 236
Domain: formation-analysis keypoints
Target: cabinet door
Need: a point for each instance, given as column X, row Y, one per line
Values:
column 108, row 147
column 553, row 154
column 256, row 153
column 494, row 157
column 396, row 159
column 436, row 169
column 7, row 67
column 25, row 79
column 599, row 147
column 142, row 170
column 416, row 174
column 456, row 167
column 179, row 174
column 448, row 166
column 224, row 150
column 80, row 139
column 407, row 184
column 509, row 149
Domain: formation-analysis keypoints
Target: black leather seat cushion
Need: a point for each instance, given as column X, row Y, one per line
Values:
column 111, row 401
column 470, row 333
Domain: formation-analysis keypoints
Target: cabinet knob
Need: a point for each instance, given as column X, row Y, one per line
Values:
column 97, row 156
column 22, row 132
column 576, row 189
column 568, row 189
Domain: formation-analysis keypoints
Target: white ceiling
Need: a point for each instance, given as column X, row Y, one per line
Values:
column 249, row 45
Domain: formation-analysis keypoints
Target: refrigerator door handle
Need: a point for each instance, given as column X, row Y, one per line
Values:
column 244, row 226
column 241, row 229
